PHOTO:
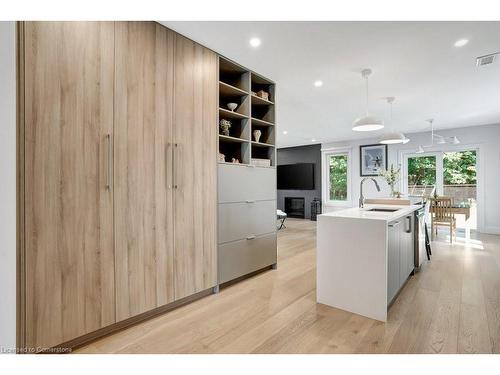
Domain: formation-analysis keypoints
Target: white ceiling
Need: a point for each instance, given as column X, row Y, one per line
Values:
column 416, row 62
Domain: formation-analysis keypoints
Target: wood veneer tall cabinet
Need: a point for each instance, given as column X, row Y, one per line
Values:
column 68, row 214
column 117, row 175
column 143, row 219
column 195, row 172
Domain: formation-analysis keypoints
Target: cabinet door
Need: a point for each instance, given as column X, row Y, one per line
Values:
column 195, row 195
column 393, row 259
column 143, row 167
column 68, row 205
column 406, row 251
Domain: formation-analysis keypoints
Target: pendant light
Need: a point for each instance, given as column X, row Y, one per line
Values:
column 367, row 123
column 436, row 139
column 392, row 138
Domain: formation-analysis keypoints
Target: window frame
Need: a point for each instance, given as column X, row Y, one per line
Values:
column 325, row 176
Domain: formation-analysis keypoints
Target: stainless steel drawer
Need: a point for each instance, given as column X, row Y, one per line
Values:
column 240, row 220
column 239, row 258
column 239, row 183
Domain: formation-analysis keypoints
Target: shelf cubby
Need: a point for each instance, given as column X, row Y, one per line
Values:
column 263, row 151
column 260, row 83
column 264, row 113
column 234, row 148
column 267, row 134
column 239, row 128
column 234, row 75
column 243, row 103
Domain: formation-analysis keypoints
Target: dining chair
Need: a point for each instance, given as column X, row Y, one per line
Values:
column 442, row 215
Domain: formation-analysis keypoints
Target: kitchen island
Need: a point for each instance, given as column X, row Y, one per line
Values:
column 364, row 257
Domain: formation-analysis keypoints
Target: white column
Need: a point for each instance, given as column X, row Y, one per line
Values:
column 7, row 185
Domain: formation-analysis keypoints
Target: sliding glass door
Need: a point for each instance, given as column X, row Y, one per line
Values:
column 451, row 173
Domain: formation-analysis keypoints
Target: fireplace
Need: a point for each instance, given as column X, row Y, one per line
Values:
column 295, row 207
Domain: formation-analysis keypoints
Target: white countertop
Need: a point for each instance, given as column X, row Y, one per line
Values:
column 364, row 213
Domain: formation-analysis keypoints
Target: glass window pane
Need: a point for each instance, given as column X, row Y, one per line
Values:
column 421, row 174
column 338, row 177
column 459, row 177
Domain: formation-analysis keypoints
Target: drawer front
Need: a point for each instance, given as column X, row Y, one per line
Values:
column 239, row 183
column 242, row 257
column 237, row 221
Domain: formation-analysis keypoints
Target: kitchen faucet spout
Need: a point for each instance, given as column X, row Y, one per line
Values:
column 361, row 197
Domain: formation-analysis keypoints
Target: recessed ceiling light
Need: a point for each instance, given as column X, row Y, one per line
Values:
column 318, row 83
column 461, row 42
column 313, row 140
column 285, row 132
column 255, row 42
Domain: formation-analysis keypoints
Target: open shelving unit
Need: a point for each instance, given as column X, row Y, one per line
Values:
column 253, row 112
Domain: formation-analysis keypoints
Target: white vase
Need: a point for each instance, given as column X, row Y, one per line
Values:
column 256, row 135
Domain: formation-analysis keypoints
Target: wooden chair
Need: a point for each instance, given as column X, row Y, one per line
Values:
column 442, row 215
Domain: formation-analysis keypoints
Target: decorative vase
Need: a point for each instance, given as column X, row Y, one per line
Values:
column 256, row 135
column 393, row 192
column 232, row 106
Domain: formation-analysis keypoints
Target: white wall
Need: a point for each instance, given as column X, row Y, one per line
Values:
column 486, row 137
column 7, row 185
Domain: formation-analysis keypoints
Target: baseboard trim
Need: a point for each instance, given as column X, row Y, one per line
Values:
column 127, row 323
column 491, row 230
column 247, row 276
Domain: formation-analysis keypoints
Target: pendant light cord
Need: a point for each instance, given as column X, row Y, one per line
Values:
column 366, row 78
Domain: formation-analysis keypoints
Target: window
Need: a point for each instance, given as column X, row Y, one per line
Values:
column 336, row 179
column 421, row 174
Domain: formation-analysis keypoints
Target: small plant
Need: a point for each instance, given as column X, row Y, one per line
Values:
column 391, row 176
column 225, row 125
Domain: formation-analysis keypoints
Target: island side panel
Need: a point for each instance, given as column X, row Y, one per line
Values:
column 352, row 265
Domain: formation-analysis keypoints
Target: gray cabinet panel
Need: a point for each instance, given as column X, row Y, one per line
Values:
column 242, row 257
column 393, row 259
column 406, row 249
column 239, row 220
column 239, row 183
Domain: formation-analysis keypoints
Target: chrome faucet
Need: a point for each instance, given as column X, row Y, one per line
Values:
column 361, row 197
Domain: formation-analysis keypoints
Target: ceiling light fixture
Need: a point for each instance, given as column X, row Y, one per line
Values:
column 318, row 83
column 420, row 150
column 367, row 123
column 285, row 132
column 461, row 42
column 437, row 139
column 255, row 42
column 313, row 140
column 392, row 137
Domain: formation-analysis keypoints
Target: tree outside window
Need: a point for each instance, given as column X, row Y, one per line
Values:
column 338, row 177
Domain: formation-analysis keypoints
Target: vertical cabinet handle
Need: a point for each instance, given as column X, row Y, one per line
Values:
column 408, row 218
column 110, row 161
column 173, row 166
column 167, row 148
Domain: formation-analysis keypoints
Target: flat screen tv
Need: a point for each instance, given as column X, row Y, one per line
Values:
column 296, row 176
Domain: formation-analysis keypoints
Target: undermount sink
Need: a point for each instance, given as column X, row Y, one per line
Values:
column 383, row 209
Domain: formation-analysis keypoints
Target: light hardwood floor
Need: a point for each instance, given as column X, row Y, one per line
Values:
column 451, row 306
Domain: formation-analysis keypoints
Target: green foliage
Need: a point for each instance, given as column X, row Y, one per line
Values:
column 422, row 170
column 338, row 177
column 458, row 168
